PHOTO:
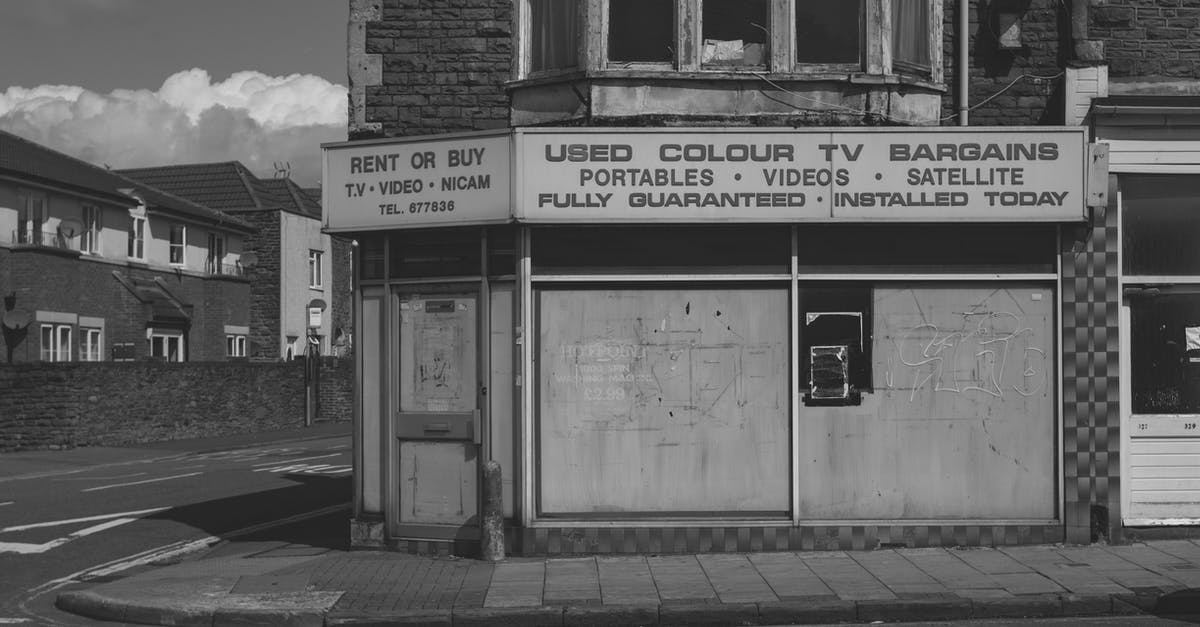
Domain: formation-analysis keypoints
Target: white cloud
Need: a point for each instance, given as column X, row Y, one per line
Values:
column 250, row 117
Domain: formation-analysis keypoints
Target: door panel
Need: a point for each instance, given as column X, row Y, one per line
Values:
column 438, row 422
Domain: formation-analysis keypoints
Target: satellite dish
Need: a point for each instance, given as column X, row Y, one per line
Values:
column 70, row 228
column 15, row 320
column 249, row 260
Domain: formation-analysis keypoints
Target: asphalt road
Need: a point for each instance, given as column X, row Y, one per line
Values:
column 87, row 514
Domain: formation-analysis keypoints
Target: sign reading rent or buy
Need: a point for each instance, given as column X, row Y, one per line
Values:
column 382, row 184
column 992, row 174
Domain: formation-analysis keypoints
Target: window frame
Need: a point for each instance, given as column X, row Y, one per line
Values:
column 136, row 248
column 235, row 346
column 33, row 207
column 89, row 239
column 55, row 352
column 875, row 30
column 523, row 60
column 316, row 269
column 91, row 344
column 217, row 245
column 173, row 246
column 167, row 337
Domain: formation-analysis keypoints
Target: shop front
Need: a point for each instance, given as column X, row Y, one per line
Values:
column 680, row 340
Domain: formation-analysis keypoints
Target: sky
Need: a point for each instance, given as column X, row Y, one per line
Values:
column 137, row 83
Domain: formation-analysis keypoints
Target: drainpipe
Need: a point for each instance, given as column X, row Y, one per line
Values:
column 964, row 38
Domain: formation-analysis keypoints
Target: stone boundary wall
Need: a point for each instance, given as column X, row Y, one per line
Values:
column 67, row 405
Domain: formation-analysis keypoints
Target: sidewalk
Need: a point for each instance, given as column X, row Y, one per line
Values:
column 288, row 584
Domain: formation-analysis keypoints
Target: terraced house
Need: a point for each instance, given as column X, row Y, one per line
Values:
column 727, row 275
column 96, row 267
column 295, row 263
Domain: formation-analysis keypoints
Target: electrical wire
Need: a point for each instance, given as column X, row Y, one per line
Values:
column 763, row 77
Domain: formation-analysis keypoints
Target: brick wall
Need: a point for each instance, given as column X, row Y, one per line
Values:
column 1021, row 86
column 1149, row 38
column 265, row 334
column 341, row 292
column 444, row 66
column 107, row 404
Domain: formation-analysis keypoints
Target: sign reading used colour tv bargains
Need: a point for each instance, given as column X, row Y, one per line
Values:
column 993, row 174
column 429, row 181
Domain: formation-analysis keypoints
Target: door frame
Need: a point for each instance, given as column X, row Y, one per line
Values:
column 478, row 289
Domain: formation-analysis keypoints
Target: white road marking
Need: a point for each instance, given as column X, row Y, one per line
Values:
column 316, row 469
column 109, row 478
column 27, row 548
column 191, row 467
column 172, row 550
column 121, row 485
column 69, row 521
column 7, row 503
column 13, row 621
column 295, row 459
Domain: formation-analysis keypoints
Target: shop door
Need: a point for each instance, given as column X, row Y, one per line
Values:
column 438, row 425
column 1160, row 336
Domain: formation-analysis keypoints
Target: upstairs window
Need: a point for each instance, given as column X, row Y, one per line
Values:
column 877, row 37
column 641, row 31
column 137, row 237
column 31, row 217
column 553, row 41
column 315, row 269
column 829, row 33
column 89, row 241
column 910, row 36
column 178, row 244
column 735, row 33
column 216, row 254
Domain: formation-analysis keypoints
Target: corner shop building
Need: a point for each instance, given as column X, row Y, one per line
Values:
column 719, row 339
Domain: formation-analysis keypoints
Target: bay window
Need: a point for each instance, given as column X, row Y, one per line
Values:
column 777, row 36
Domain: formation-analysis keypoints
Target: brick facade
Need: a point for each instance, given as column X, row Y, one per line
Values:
column 445, row 63
column 52, row 280
column 110, row 404
column 264, row 342
column 1149, row 38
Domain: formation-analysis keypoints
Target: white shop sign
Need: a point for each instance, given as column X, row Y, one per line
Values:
column 441, row 180
column 739, row 175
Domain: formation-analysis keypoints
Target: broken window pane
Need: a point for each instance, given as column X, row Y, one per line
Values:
column 1158, row 226
column 835, row 340
column 828, row 32
column 554, row 34
column 910, row 34
column 1165, row 356
column 641, row 31
column 735, row 32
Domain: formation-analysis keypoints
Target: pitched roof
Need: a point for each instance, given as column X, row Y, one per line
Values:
column 25, row 159
column 165, row 201
column 229, row 186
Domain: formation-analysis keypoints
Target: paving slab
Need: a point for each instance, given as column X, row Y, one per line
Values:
column 626, row 581
column 680, row 578
column 734, row 578
column 789, row 577
column 848, row 580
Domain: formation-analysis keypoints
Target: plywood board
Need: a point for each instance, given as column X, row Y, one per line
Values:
column 437, row 353
column 438, row 483
column 663, row 400
column 960, row 422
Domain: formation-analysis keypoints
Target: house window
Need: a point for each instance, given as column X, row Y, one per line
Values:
column 178, row 244
column 876, row 36
column 56, row 342
column 315, row 269
column 735, row 33
column 910, row 36
column 137, row 237
column 90, row 238
column 829, row 32
column 641, row 31
column 553, row 35
column 89, row 344
column 31, row 217
column 235, row 346
column 167, row 346
column 216, row 253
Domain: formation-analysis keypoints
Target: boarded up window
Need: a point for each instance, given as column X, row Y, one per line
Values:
column 1158, row 225
column 960, row 423
column 663, row 401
